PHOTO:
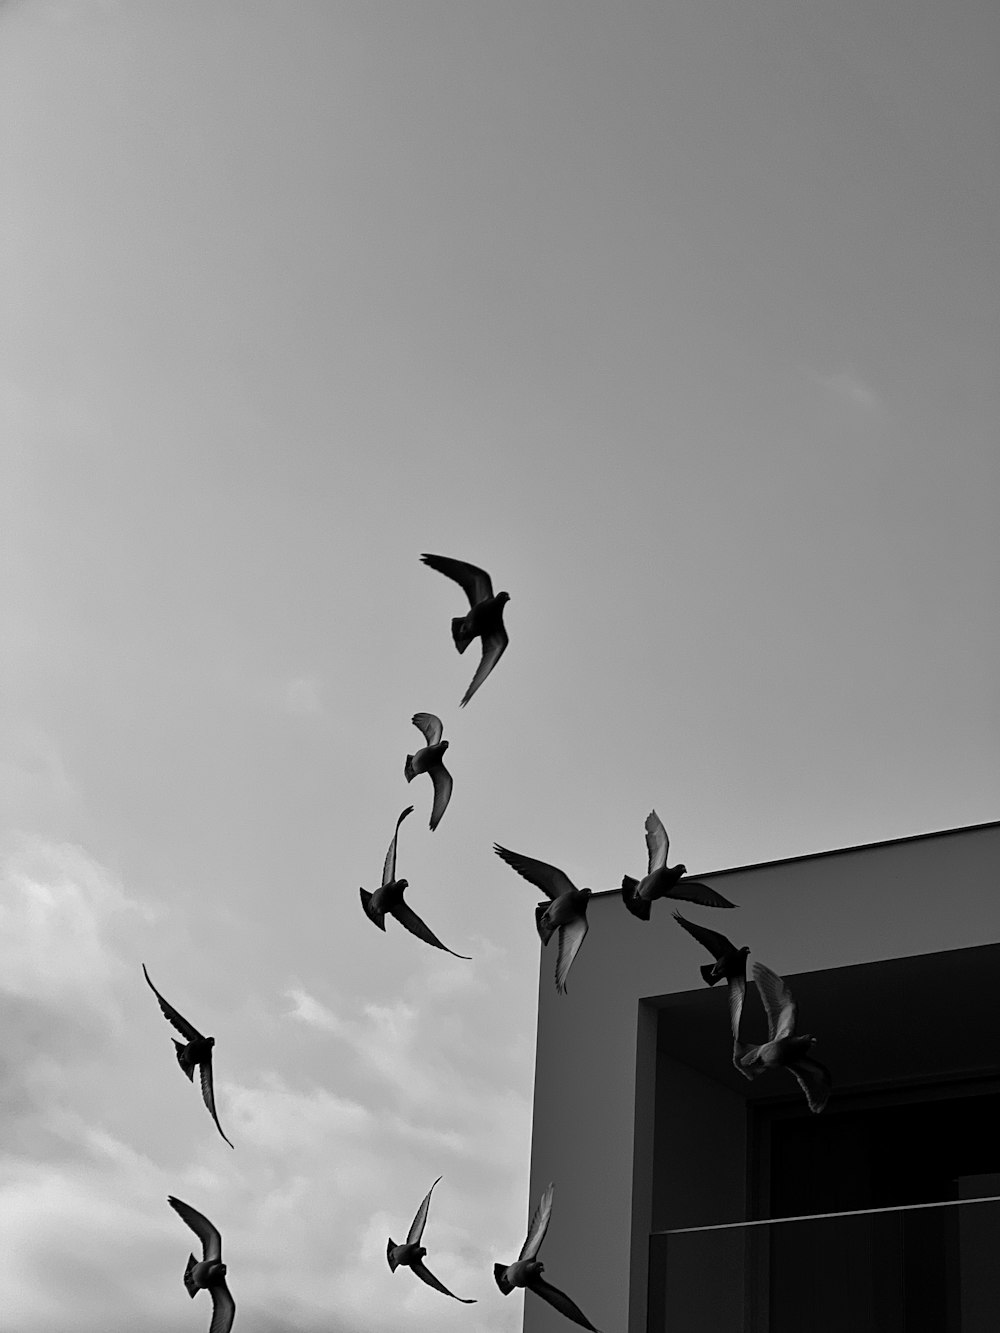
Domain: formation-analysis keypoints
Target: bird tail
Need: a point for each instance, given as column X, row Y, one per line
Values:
column 637, row 906
column 748, row 1068
column 409, row 772
column 370, row 912
column 189, row 1282
column 460, row 633
column 184, row 1058
column 393, row 1262
column 545, row 930
column 709, row 973
column 500, row 1274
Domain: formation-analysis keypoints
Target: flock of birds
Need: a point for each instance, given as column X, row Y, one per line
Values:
column 563, row 914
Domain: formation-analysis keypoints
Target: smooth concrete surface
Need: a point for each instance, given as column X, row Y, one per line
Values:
column 596, row 1060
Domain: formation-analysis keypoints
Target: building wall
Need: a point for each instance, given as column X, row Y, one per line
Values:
column 594, row 1102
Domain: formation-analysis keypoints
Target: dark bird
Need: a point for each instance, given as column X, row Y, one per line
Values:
column 198, row 1051
column 389, row 899
column 430, row 759
column 526, row 1271
column 567, row 911
column 208, row 1274
column 484, row 619
column 730, row 963
column 783, row 1049
column 411, row 1252
column 663, row 881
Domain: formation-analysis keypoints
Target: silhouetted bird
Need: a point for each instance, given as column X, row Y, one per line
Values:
column 526, row 1271
column 730, row 963
column 198, row 1051
column 429, row 759
column 208, row 1274
column 484, row 620
column 411, row 1253
column 389, row 899
column 663, row 881
column 783, row 1050
column 567, row 912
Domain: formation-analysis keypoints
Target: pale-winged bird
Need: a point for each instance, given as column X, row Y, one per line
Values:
column 663, row 881
column 526, row 1271
column 208, row 1273
column 429, row 759
column 730, row 963
column 388, row 899
column 783, row 1049
column 411, row 1252
column 197, row 1051
column 484, row 619
column 566, row 912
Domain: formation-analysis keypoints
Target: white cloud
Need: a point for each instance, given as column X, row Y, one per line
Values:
column 56, row 907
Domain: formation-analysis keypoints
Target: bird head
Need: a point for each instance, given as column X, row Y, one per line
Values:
column 503, row 598
column 402, row 884
column 682, row 868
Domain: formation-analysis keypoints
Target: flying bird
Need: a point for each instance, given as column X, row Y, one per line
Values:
column 430, row 759
column 526, row 1271
column 730, row 963
column 389, row 899
column 209, row 1273
column 783, row 1049
column 567, row 911
column 663, row 881
column 484, row 620
column 411, row 1252
column 197, row 1051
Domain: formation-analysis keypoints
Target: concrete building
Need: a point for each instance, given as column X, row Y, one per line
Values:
column 671, row 1170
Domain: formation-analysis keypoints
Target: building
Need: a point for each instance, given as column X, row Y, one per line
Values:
column 673, row 1172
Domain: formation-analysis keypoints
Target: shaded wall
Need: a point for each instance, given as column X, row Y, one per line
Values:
column 594, row 1106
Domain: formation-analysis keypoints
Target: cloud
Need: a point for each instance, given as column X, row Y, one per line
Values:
column 57, row 904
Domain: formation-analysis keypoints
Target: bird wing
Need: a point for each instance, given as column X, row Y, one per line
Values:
column 781, row 1008
column 389, row 869
column 494, row 644
column 550, row 879
column 716, row 944
column 425, row 1275
column 208, row 1093
column 211, row 1241
column 474, row 581
column 223, row 1307
column 500, row 1277
column 657, row 842
column 571, row 936
column 420, row 1219
column 408, row 918
column 815, row 1081
column 538, row 1225
column 637, row 906
column 185, row 1028
column 430, row 725
column 737, row 994
column 560, row 1301
column 443, row 784
column 691, row 891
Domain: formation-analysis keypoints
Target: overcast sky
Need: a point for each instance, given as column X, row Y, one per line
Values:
column 682, row 320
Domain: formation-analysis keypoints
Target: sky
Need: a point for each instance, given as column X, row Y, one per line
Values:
column 679, row 319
